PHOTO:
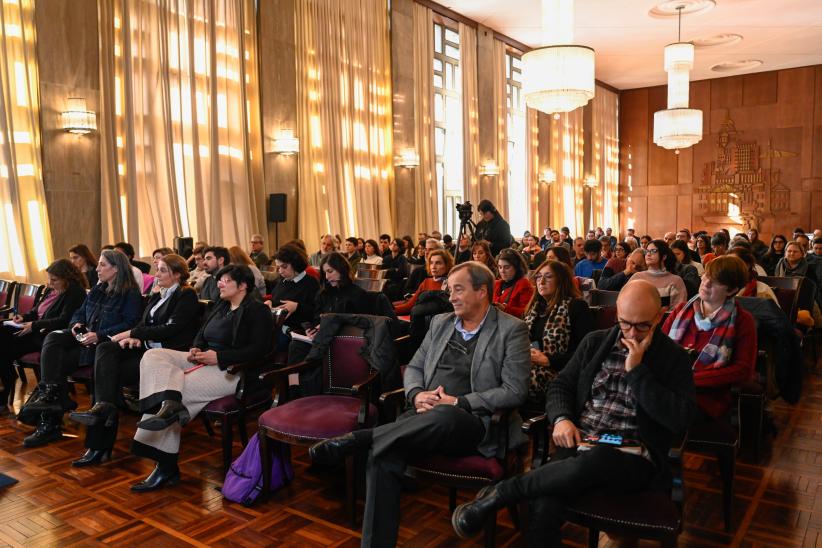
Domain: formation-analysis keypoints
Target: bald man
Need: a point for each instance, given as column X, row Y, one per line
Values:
column 631, row 381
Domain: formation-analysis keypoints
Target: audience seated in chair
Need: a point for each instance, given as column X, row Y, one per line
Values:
column 617, row 261
column 169, row 321
column 593, row 260
column 65, row 294
column 533, row 254
column 112, row 306
column 439, row 265
column 82, row 257
column 137, row 267
column 257, row 253
column 351, row 253
column 176, row 385
column 371, row 253
column 754, row 288
column 775, row 253
column 513, row 291
column 557, row 320
column 396, row 269
column 724, row 334
column 295, row 292
column 239, row 256
column 661, row 264
column 633, row 264
column 416, row 277
column 327, row 246
column 473, row 363
column 630, row 380
column 214, row 259
column 481, row 253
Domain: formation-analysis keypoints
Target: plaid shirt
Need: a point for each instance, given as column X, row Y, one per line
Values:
column 612, row 406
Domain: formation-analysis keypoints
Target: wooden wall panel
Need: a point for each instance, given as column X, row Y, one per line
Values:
column 777, row 114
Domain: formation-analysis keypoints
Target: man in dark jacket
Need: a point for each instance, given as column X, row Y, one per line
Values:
column 631, row 381
column 493, row 228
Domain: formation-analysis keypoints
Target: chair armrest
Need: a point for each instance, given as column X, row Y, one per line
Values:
column 391, row 404
column 539, row 430
column 365, row 386
column 236, row 368
column 530, row 426
column 286, row 371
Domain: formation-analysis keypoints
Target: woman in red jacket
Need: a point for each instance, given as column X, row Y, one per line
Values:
column 513, row 291
column 723, row 333
column 439, row 265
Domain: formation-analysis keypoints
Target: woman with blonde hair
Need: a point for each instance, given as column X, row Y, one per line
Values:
column 239, row 256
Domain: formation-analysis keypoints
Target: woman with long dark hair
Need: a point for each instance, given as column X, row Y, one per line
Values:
column 65, row 293
column 112, row 306
column 371, row 253
column 776, row 252
column 82, row 257
column 481, row 252
column 169, row 321
column 513, row 290
column 661, row 264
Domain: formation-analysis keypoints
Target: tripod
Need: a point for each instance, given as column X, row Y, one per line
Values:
column 467, row 227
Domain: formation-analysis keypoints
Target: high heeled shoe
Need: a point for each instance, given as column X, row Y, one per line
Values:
column 101, row 413
column 93, row 457
column 170, row 412
column 157, row 479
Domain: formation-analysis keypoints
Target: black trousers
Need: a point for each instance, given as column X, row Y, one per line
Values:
column 569, row 473
column 445, row 429
column 59, row 357
column 11, row 348
column 114, row 368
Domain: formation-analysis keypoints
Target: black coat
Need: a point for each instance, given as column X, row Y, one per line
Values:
column 350, row 299
column 251, row 332
column 175, row 322
column 397, row 266
column 59, row 313
column 303, row 293
column 662, row 384
column 497, row 231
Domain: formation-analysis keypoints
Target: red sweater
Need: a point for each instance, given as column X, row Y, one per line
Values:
column 403, row 308
column 716, row 402
column 517, row 296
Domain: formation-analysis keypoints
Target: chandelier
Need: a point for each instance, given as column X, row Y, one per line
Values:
column 559, row 76
column 678, row 126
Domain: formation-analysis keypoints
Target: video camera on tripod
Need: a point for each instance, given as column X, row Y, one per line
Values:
column 467, row 226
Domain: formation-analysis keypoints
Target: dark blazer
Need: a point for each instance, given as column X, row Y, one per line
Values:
column 397, row 266
column 251, row 338
column 60, row 311
column 91, row 276
column 582, row 323
column 350, row 299
column 175, row 322
column 108, row 314
column 144, row 267
column 662, row 384
column 304, row 293
column 613, row 283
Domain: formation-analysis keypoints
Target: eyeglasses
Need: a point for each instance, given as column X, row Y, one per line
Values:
column 543, row 277
column 651, row 251
column 642, row 327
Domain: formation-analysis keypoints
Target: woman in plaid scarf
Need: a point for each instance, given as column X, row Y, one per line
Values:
column 723, row 333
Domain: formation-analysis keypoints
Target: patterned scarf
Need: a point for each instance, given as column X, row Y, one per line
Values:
column 556, row 338
column 717, row 353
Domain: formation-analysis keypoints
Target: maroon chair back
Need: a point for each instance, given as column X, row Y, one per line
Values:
column 604, row 316
column 6, row 290
column 786, row 299
column 344, row 366
column 27, row 295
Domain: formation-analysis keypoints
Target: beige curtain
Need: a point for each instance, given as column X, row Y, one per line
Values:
column 25, row 237
column 470, row 113
column 181, row 152
column 344, row 118
column 567, row 154
column 536, row 220
column 425, row 185
column 605, row 165
column 499, row 196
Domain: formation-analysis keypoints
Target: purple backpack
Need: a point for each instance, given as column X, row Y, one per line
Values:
column 244, row 480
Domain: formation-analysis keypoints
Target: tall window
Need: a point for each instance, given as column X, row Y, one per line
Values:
column 517, row 146
column 448, row 123
column 25, row 239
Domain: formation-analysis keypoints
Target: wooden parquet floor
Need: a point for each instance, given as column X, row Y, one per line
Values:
column 778, row 501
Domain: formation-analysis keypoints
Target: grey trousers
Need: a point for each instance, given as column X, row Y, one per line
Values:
column 164, row 370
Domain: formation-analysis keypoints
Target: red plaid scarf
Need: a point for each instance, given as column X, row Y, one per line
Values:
column 717, row 353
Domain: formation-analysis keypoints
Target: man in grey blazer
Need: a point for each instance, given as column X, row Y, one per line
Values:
column 472, row 363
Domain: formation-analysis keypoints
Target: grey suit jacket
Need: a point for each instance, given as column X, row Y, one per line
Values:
column 500, row 371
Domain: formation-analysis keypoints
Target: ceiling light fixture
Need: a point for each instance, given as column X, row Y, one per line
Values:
column 724, row 39
column 678, row 126
column 558, row 76
column 733, row 66
column 670, row 8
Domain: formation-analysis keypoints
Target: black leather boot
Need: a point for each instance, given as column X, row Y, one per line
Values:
column 49, row 429
column 101, row 413
column 170, row 412
column 50, row 400
column 157, row 479
column 93, row 457
column 469, row 518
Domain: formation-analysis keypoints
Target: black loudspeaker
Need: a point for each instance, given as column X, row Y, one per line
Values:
column 276, row 208
column 183, row 246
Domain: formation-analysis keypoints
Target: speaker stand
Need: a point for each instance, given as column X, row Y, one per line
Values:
column 276, row 236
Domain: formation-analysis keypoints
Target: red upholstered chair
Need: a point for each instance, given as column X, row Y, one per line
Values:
column 344, row 405
column 7, row 290
column 25, row 297
column 653, row 514
column 605, row 317
column 471, row 472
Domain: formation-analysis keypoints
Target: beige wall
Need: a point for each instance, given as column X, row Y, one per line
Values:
column 779, row 112
column 67, row 54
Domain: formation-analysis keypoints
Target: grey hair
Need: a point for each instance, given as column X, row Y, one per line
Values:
column 480, row 275
column 124, row 280
column 434, row 241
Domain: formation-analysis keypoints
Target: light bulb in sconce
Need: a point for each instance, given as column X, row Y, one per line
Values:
column 547, row 176
column 489, row 169
column 590, row 181
column 76, row 118
column 286, row 143
column 407, row 158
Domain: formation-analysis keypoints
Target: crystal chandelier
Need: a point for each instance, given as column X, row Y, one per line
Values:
column 678, row 126
column 559, row 76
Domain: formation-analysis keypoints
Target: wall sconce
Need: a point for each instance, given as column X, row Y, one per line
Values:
column 407, row 158
column 590, row 181
column 285, row 143
column 76, row 119
column 489, row 169
column 547, row 176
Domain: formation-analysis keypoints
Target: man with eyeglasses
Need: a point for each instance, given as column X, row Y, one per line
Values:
column 257, row 254
column 630, row 381
column 473, row 362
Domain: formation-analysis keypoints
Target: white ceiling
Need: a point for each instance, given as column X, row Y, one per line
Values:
column 629, row 42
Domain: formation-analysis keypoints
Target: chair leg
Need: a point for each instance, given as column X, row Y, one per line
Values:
column 452, row 499
column 242, row 428
column 351, row 489
column 207, row 423
column 228, row 441
column 21, row 374
column 593, row 538
column 265, row 460
column 727, row 466
column 513, row 511
column 491, row 530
